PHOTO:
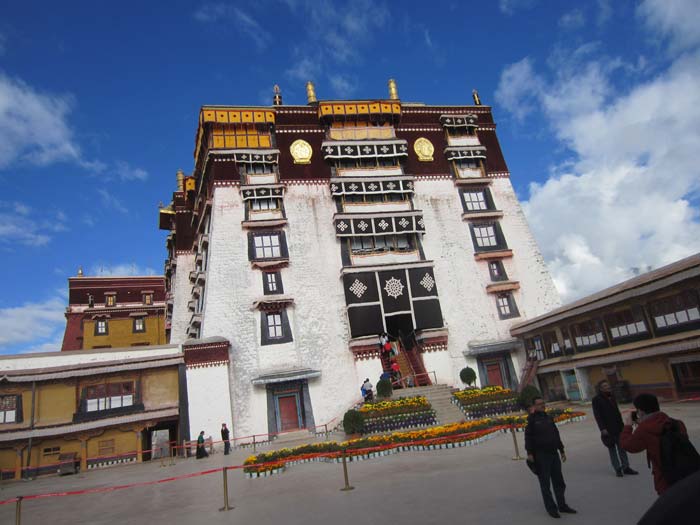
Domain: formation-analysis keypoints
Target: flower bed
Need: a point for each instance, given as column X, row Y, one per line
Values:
column 445, row 436
column 403, row 405
column 477, row 403
column 395, row 422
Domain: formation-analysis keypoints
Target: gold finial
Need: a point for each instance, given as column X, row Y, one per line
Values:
column 311, row 93
column 180, row 180
column 475, row 96
column 277, row 98
column 393, row 90
column 80, row 271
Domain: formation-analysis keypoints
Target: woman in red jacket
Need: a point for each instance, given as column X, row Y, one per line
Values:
column 647, row 435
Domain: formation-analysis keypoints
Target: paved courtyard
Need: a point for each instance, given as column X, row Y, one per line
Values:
column 466, row 485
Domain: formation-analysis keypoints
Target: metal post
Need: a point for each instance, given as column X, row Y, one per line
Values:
column 173, row 453
column 18, row 511
column 345, row 473
column 327, row 433
column 515, row 444
column 226, row 505
column 253, row 443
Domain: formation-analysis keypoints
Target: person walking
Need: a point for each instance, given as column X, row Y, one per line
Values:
column 607, row 415
column 542, row 442
column 201, row 450
column 225, row 437
column 367, row 389
column 653, row 427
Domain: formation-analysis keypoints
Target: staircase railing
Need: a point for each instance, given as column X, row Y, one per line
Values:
column 405, row 383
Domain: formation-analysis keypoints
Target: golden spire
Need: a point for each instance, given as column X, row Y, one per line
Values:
column 277, row 98
column 180, row 180
column 311, row 93
column 393, row 90
column 475, row 96
column 80, row 271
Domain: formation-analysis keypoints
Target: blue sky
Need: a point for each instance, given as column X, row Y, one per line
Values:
column 597, row 104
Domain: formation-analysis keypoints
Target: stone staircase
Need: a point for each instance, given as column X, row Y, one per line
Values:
column 440, row 397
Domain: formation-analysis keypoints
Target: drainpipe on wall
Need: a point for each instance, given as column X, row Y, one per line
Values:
column 31, row 424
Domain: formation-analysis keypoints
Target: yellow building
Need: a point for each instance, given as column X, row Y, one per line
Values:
column 100, row 405
column 642, row 335
column 115, row 312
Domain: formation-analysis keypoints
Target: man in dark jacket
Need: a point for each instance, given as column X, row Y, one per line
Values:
column 647, row 436
column 609, row 420
column 542, row 442
column 225, row 438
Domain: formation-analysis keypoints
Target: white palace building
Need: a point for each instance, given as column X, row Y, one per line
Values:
column 304, row 232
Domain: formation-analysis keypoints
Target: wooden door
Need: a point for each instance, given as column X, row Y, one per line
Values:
column 288, row 412
column 493, row 371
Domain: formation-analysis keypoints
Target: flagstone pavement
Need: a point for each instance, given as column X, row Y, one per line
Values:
column 479, row 484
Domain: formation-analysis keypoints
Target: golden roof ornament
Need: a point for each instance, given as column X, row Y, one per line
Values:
column 393, row 90
column 475, row 96
column 180, row 180
column 80, row 271
column 277, row 98
column 311, row 93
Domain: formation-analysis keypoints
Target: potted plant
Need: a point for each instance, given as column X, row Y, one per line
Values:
column 353, row 423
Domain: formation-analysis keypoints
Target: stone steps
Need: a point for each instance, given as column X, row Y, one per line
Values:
column 439, row 397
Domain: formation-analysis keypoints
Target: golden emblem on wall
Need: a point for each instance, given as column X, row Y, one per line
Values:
column 424, row 149
column 301, row 151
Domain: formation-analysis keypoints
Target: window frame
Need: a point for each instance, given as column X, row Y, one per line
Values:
column 502, row 275
column 286, row 332
column 487, row 199
column 103, row 395
column 510, row 302
column 500, row 242
column 283, row 252
column 267, row 278
column 674, row 307
column 134, row 328
column 623, row 325
column 587, row 329
column 377, row 244
column 99, row 332
column 16, row 410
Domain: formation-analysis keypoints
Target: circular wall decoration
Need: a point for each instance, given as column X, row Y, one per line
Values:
column 301, row 152
column 424, row 149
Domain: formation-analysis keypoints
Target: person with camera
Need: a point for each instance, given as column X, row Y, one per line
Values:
column 609, row 420
column 543, row 445
column 652, row 426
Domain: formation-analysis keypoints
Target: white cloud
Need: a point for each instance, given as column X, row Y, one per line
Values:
column 334, row 33
column 676, row 20
column 572, row 20
column 247, row 24
column 119, row 269
column 604, row 12
column 343, row 86
column 623, row 200
column 509, row 7
column 19, row 226
column 111, row 202
column 427, row 39
column 127, row 172
column 31, row 322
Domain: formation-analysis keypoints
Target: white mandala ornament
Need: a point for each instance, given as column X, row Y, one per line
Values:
column 394, row 288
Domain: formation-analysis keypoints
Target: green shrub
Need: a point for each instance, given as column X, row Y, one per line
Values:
column 353, row 422
column 384, row 388
column 467, row 375
column 525, row 397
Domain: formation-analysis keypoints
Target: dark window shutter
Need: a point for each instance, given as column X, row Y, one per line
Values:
column 251, row 249
column 283, row 245
column 19, row 412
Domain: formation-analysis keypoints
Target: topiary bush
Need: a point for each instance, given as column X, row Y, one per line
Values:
column 384, row 388
column 353, row 422
column 525, row 397
column 467, row 375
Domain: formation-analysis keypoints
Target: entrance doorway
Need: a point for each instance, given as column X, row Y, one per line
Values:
column 493, row 372
column 572, row 390
column 401, row 323
column 288, row 412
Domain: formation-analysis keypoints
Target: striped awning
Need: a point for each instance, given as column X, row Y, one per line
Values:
column 465, row 152
column 356, row 149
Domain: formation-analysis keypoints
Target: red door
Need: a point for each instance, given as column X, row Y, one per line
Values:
column 494, row 374
column 289, row 416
